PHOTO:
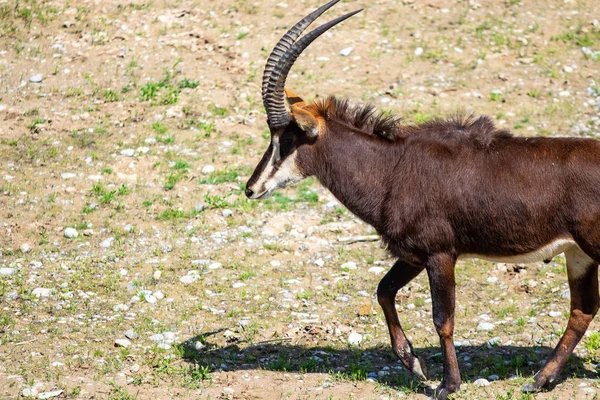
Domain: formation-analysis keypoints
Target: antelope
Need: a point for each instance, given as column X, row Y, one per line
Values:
column 438, row 192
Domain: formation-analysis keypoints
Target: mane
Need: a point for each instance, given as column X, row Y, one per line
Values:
column 366, row 118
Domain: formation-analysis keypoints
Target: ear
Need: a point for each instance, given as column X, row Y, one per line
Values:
column 307, row 121
column 292, row 99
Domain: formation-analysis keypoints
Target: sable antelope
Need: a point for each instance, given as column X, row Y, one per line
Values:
column 439, row 192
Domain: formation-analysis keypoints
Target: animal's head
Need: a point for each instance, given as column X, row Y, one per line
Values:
column 290, row 119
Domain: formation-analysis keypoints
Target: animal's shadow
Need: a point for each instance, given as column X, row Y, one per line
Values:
column 506, row 362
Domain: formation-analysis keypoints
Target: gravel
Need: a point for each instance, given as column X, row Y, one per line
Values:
column 71, row 233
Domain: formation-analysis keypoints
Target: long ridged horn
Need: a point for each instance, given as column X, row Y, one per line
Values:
column 274, row 96
column 287, row 41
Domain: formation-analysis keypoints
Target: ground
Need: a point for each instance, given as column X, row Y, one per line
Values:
column 137, row 125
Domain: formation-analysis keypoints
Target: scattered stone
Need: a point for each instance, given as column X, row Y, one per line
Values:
column 164, row 345
column 71, row 233
column 485, row 326
column 351, row 265
column 157, row 337
column 190, row 278
column 169, row 336
column 208, row 169
column 227, row 213
column 150, row 298
column 122, row 343
column 228, row 390
column 493, row 377
column 128, row 152
column 6, row 271
column 198, row 345
column 129, row 228
column 215, row 265
column 494, row 341
column 68, row 175
column 555, row 314
column 199, row 207
column 418, row 51
column 481, row 382
column 354, row 339
column 238, row 285
column 345, row 52
column 37, row 78
column 41, row 292
column 121, row 307
column 106, row 243
column 376, row 270
column 131, row 334
column 159, row 295
column 201, row 262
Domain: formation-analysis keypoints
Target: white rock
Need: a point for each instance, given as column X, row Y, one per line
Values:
column 129, row 228
column 37, row 78
column 68, row 175
column 355, row 339
column 25, row 248
column 238, row 285
column 41, row 292
column 564, row 93
column 121, row 307
column 157, row 274
column 159, row 295
column 492, row 279
column 106, row 243
column 208, row 169
column 567, row 69
column 227, row 213
column 418, row 51
column 5, row 271
column 348, row 265
column 164, row 345
column 485, row 326
column 481, row 382
column 215, row 265
column 376, row 270
column 227, row 389
column 122, row 343
column 71, row 233
column 157, row 337
column 275, row 263
column 128, row 152
column 346, row 51
column 169, row 336
column 187, row 279
column 150, row 298
column 555, row 314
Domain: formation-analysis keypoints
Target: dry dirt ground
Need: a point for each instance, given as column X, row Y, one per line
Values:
column 137, row 124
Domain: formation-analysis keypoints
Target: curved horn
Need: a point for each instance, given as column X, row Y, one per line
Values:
column 287, row 41
column 274, row 98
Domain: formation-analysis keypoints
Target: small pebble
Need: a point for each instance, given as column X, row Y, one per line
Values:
column 481, row 382
column 128, row 152
column 355, row 339
column 41, row 292
column 71, row 233
column 345, row 52
column 493, row 377
column 122, row 343
column 106, row 243
column 37, row 78
column 227, row 213
column 376, row 270
column 418, row 51
column 131, row 334
column 208, row 169
column 485, row 326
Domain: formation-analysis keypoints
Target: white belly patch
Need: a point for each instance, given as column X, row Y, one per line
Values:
column 546, row 252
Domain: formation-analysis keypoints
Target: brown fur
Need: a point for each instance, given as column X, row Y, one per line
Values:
column 456, row 186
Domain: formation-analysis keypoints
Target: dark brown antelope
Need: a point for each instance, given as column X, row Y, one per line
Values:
column 439, row 192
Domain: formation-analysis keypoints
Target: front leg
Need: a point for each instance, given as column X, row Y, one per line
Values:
column 440, row 270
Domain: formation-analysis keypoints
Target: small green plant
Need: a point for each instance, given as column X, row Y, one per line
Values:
column 220, row 111
column 110, row 96
column 188, row 84
column 592, row 343
column 159, row 128
column 495, row 96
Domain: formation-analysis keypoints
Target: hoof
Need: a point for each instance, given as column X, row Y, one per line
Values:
column 419, row 368
column 531, row 388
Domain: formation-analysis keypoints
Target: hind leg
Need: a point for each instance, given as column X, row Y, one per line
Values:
column 582, row 272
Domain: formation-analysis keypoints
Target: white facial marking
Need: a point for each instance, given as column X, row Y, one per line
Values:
column 546, row 252
column 286, row 174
